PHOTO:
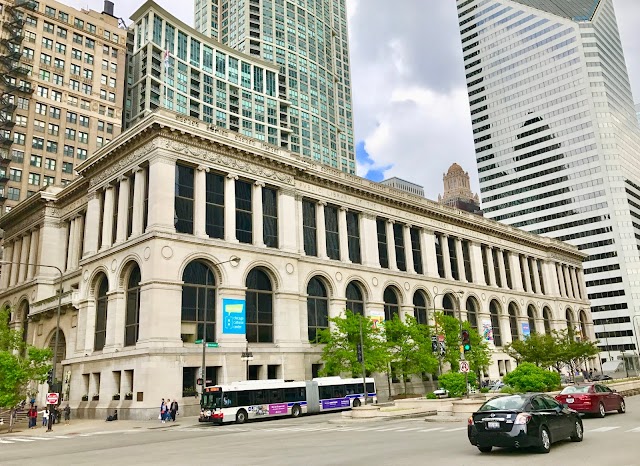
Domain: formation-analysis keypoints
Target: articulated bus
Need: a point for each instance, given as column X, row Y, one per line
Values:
column 265, row 399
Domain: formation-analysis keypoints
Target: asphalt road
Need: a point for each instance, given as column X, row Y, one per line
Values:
column 318, row 440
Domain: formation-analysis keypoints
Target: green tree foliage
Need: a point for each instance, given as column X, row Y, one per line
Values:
column 528, row 377
column 19, row 364
column 454, row 383
column 340, row 341
column 480, row 355
column 574, row 353
column 409, row 347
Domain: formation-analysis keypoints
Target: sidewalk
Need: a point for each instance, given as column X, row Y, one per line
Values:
column 85, row 426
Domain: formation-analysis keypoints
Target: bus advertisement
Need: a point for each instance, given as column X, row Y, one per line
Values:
column 262, row 399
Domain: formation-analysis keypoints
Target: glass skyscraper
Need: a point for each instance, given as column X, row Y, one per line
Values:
column 557, row 142
column 308, row 40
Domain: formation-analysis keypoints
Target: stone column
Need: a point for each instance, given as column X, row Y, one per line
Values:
column 321, row 230
column 492, row 270
column 477, row 265
column 460, row 260
column 288, row 222
column 567, row 278
column 429, row 260
column 343, row 235
column 139, row 188
column 300, row 230
column 77, row 246
column 24, row 257
column 160, row 315
column 230, row 208
column 561, row 280
column 123, row 211
column 505, row 328
column 162, row 180
column 581, row 285
column 52, row 235
column 33, row 253
column 200, row 202
column 90, row 326
column 574, row 281
column 551, row 279
column 527, row 276
column 107, row 217
column 91, row 225
column 258, row 215
column 17, row 246
column 501, row 268
column 116, row 317
column 516, row 273
column 446, row 256
column 6, row 268
column 391, row 246
column 70, row 243
column 369, row 240
column 408, row 250
column 536, row 275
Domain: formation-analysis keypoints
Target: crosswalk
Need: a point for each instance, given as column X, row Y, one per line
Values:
column 27, row 439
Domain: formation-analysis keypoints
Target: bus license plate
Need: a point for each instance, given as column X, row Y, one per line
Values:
column 493, row 425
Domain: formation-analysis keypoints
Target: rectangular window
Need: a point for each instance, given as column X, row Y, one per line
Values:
column 531, row 275
column 496, row 266
column 184, row 199
column 215, row 205
column 540, row 276
column 439, row 259
column 67, row 167
column 466, row 259
column 453, row 258
column 13, row 194
column 416, row 250
column 309, row 229
column 34, row 179
column 521, row 258
column 353, row 237
column 332, row 231
column 244, row 219
column 485, row 265
column 383, row 254
column 50, row 164
column 507, row 268
column 15, row 174
column 270, row 217
column 398, row 239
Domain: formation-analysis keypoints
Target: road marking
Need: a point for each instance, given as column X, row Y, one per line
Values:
column 60, row 436
column 409, row 430
column 390, row 429
column 21, row 439
column 41, row 438
column 431, row 430
column 637, row 429
column 604, row 429
column 455, row 430
column 4, row 441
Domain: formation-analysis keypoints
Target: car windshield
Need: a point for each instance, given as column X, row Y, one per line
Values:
column 579, row 389
column 513, row 402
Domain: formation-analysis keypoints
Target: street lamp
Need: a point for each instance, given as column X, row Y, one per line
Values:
column 55, row 345
column 235, row 260
column 459, row 293
column 606, row 337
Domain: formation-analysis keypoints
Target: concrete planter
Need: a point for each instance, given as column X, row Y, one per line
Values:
column 442, row 406
column 466, row 407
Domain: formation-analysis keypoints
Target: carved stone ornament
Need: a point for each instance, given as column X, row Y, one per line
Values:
column 121, row 164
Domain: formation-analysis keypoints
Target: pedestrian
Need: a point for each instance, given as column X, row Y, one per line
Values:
column 67, row 415
column 591, row 375
column 167, row 414
column 33, row 416
column 163, row 411
column 173, row 409
column 45, row 417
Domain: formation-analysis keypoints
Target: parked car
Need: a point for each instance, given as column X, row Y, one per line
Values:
column 522, row 421
column 592, row 398
column 599, row 377
column 496, row 387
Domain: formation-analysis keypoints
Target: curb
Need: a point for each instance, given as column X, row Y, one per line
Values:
column 445, row 419
column 381, row 418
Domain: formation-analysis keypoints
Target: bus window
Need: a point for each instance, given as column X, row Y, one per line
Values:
column 339, row 391
column 292, row 395
column 276, row 395
column 259, row 397
column 352, row 389
column 244, row 398
column 360, row 388
column 370, row 388
column 326, row 392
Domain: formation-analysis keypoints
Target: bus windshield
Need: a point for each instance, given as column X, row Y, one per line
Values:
column 211, row 400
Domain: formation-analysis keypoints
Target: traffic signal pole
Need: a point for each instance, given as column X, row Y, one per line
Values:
column 462, row 358
column 364, row 371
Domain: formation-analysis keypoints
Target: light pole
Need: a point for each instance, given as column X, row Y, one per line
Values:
column 459, row 293
column 235, row 260
column 606, row 337
column 55, row 345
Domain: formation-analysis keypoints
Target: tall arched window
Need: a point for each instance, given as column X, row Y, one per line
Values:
column 259, row 307
column 420, row 307
column 570, row 322
column 531, row 317
column 317, row 308
column 513, row 321
column 472, row 312
column 355, row 300
column 132, row 318
column 24, row 315
column 546, row 317
column 199, row 300
column 448, row 307
column 494, row 311
column 391, row 303
column 101, row 314
column 583, row 326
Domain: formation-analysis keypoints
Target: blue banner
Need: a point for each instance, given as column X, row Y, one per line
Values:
column 234, row 316
column 526, row 331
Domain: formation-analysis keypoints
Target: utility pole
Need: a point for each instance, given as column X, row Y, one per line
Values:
column 361, row 360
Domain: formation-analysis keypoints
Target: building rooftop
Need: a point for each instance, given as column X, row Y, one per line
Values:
column 578, row 10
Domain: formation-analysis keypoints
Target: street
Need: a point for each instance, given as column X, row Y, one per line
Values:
column 318, row 440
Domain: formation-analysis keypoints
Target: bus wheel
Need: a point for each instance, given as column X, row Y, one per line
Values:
column 241, row 417
column 296, row 411
column 356, row 403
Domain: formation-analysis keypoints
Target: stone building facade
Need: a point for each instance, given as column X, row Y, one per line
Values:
column 155, row 216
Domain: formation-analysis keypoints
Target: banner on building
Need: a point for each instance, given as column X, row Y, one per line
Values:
column 526, row 331
column 487, row 330
column 377, row 319
column 234, row 316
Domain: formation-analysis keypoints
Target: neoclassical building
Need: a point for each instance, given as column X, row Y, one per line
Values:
column 144, row 239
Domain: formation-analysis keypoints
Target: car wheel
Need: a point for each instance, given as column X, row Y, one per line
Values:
column 486, row 449
column 623, row 408
column 241, row 417
column 578, row 432
column 545, row 441
column 601, row 411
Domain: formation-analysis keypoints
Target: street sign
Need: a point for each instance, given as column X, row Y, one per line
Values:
column 440, row 338
column 212, row 345
column 464, row 366
column 52, row 398
column 199, row 342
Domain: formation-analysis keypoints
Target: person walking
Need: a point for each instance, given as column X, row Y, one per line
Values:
column 167, row 416
column 163, row 411
column 33, row 416
column 67, row 415
column 173, row 410
column 45, row 417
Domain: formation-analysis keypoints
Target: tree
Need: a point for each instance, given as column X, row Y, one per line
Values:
column 574, row 353
column 479, row 356
column 455, row 383
column 409, row 347
column 340, row 341
column 538, row 348
column 19, row 364
column 528, row 377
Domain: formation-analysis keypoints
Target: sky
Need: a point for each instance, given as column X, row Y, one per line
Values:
column 410, row 106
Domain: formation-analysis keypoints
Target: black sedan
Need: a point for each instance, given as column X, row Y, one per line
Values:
column 522, row 421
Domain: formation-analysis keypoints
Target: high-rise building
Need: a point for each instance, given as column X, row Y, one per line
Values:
column 404, row 185
column 308, row 40
column 457, row 191
column 61, row 92
column 557, row 140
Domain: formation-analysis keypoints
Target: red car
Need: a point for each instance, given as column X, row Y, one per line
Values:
column 592, row 398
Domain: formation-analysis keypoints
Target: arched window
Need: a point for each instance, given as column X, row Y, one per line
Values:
column 546, row 317
column 199, row 301
column 61, row 351
column 570, row 322
column 583, row 326
column 355, row 301
column 259, row 307
column 132, row 319
column 317, row 308
column 448, row 307
column 391, row 306
column 494, row 310
column 101, row 313
column 513, row 321
column 420, row 308
column 24, row 315
column 472, row 312
column 531, row 317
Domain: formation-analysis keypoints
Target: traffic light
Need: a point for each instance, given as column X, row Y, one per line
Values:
column 434, row 344
column 359, row 351
column 466, row 342
column 50, row 377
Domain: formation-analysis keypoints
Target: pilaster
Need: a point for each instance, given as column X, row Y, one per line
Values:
column 391, row 246
column 343, row 235
column 91, row 225
column 107, row 217
column 408, row 250
column 321, row 229
column 162, row 179
column 139, row 189
column 460, row 259
column 258, row 214
column 288, row 224
column 516, row 272
column 33, row 253
column 369, row 240
column 123, row 210
column 200, row 202
column 230, row 208
column 446, row 256
column 477, row 267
